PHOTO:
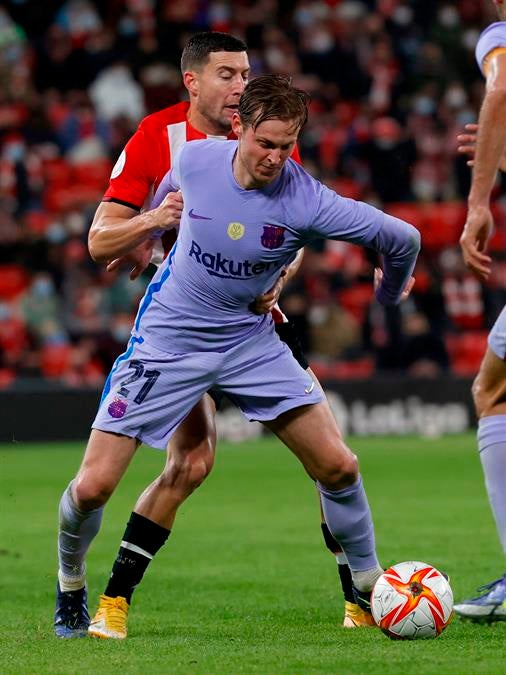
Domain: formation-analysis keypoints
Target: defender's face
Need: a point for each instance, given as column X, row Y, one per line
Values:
column 263, row 151
column 218, row 87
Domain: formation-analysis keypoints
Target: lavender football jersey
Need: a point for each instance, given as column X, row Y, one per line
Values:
column 493, row 37
column 232, row 245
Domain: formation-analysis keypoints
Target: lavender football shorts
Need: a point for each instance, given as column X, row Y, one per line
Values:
column 497, row 336
column 149, row 392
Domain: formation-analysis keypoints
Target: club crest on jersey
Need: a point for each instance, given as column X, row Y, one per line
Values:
column 117, row 408
column 273, row 236
column 236, row 231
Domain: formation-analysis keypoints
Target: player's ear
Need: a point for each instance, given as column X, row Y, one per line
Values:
column 191, row 82
column 236, row 125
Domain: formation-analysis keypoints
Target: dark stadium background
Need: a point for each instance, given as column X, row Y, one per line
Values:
column 392, row 83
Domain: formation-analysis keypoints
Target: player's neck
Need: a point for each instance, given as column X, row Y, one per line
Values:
column 204, row 125
column 243, row 177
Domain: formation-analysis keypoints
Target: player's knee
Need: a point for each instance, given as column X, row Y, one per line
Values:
column 91, row 492
column 187, row 470
column 339, row 472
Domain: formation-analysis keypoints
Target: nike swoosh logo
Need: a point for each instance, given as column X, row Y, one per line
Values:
column 196, row 216
column 309, row 389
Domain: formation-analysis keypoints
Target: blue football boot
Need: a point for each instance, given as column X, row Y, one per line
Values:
column 71, row 619
column 488, row 607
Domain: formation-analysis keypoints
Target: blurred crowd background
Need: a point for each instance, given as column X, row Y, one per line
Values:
column 392, row 83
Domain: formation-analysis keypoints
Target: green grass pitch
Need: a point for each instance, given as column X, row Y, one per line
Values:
column 244, row 584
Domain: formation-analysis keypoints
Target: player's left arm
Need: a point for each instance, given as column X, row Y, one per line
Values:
column 359, row 223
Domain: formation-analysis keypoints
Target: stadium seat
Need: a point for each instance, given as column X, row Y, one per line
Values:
column 411, row 213
column 57, row 173
column 55, row 360
column 347, row 187
column 443, row 224
column 466, row 351
column 13, row 281
column 356, row 300
column 92, row 174
column 36, row 221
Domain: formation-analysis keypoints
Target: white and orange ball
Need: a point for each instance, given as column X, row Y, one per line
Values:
column 412, row 600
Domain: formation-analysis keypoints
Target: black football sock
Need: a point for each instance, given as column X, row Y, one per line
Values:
column 141, row 541
column 343, row 568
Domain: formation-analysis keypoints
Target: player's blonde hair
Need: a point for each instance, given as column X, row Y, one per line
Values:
column 273, row 97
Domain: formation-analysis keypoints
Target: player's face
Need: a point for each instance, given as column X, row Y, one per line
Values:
column 217, row 88
column 263, row 151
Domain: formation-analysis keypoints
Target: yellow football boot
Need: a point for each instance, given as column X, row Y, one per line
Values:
column 110, row 621
column 356, row 617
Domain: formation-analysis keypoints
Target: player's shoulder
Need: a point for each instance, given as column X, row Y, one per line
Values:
column 493, row 37
column 297, row 179
column 300, row 193
column 174, row 114
column 208, row 149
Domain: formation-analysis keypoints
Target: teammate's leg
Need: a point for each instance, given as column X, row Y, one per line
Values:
column 80, row 514
column 313, row 436
column 190, row 456
column 489, row 394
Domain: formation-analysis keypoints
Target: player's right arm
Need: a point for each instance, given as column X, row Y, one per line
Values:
column 490, row 146
column 118, row 229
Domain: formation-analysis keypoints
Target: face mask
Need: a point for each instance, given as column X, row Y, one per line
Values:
column 385, row 143
column 303, row 17
column 14, row 152
column 403, row 16
column 121, row 333
column 424, row 189
column 466, row 116
column 56, row 233
column 424, row 105
column 470, row 38
column 5, row 312
column 42, row 288
column 448, row 17
column 455, row 97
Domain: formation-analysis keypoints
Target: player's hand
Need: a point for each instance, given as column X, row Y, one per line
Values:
column 266, row 302
column 474, row 241
column 378, row 278
column 138, row 259
column 467, row 146
column 170, row 210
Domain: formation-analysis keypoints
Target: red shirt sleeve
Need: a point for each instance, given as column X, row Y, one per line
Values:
column 296, row 155
column 137, row 170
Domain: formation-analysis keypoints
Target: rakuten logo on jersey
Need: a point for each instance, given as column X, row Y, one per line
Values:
column 226, row 268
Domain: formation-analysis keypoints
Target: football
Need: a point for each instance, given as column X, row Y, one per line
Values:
column 412, row 600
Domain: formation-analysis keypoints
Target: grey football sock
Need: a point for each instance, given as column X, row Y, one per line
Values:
column 77, row 529
column 492, row 448
column 349, row 520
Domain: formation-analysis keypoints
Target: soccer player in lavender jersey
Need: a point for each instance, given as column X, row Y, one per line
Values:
column 215, row 69
column 489, row 388
column 248, row 210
